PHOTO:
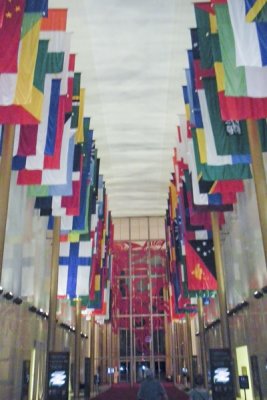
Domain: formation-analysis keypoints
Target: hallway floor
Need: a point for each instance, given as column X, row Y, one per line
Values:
column 124, row 391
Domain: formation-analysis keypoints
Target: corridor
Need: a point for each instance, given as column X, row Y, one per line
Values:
column 125, row 391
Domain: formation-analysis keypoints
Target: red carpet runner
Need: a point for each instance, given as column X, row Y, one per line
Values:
column 125, row 392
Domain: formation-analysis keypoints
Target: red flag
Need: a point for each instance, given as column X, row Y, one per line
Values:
column 11, row 15
column 27, row 140
column 2, row 12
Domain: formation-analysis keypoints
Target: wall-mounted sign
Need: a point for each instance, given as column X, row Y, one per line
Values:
column 58, row 376
column 243, row 382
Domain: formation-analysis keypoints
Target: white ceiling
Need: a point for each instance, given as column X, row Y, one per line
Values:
column 132, row 55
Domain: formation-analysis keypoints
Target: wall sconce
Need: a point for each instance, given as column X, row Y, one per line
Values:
column 8, row 295
column 32, row 309
column 17, row 300
column 1, row 290
column 257, row 294
column 40, row 312
column 237, row 308
column 64, row 326
column 212, row 324
column 245, row 303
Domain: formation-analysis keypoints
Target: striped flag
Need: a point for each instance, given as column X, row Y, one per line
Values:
column 256, row 10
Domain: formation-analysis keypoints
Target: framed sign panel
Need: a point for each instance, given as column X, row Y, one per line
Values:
column 221, row 372
column 58, row 375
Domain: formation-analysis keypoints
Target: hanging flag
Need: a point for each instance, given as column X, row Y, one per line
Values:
column 40, row 6
column 31, row 112
column 54, row 148
column 256, row 10
column 210, row 125
column 194, row 106
column 11, row 15
column 249, row 38
column 25, row 140
column 16, row 88
column 53, row 177
column 249, row 81
column 204, row 13
column 56, row 20
column 76, row 203
column 207, row 136
column 56, row 112
column 200, row 267
column 218, row 172
column 74, row 269
column 231, row 108
column 230, row 136
column 225, row 172
column 59, row 42
column 2, row 12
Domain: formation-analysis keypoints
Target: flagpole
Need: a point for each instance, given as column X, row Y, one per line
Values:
column 259, row 179
column 5, row 176
column 51, row 331
column 189, row 346
column 220, row 280
column 202, row 340
column 174, row 355
column 51, row 336
column 92, row 352
column 77, row 348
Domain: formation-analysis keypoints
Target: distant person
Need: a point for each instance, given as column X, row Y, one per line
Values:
column 97, row 382
column 199, row 392
column 151, row 388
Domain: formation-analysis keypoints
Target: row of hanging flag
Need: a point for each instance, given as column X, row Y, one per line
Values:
column 54, row 153
column 225, row 86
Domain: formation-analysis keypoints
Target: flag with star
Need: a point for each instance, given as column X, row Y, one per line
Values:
column 11, row 16
column 200, row 268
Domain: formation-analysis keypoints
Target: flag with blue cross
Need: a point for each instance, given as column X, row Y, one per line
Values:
column 74, row 268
